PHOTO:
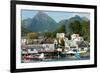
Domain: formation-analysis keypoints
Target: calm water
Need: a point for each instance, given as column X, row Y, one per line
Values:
column 57, row 60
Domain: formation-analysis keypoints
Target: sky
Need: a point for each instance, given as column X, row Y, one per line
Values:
column 57, row 16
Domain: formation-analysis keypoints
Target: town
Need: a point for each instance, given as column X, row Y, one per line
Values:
column 61, row 48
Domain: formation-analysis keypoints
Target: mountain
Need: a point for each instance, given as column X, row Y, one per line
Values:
column 85, row 19
column 40, row 23
column 26, row 22
column 75, row 18
column 67, row 22
column 63, row 22
column 24, row 31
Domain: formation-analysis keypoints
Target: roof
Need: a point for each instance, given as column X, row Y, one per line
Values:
column 48, row 41
column 73, row 43
column 83, row 44
column 70, row 42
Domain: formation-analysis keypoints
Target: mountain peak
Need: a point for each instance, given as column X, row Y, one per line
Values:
column 41, row 13
column 41, row 22
column 77, row 16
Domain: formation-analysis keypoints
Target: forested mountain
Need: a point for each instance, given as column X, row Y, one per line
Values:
column 42, row 23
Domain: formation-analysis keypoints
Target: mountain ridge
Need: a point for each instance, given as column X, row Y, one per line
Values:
column 42, row 22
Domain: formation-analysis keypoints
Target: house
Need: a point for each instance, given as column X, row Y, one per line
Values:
column 83, row 45
column 67, row 43
column 60, row 35
column 48, row 46
column 32, row 50
column 24, row 51
column 70, row 44
column 77, row 46
column 76, row 37
column 55, row 43
column 47, row 41
column 23, row 41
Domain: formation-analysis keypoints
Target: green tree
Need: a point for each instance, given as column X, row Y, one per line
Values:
column 48, row 34
column 61, row 29
column 32, row 35
column 86, row 30
column 81, row 27
column 75, row 27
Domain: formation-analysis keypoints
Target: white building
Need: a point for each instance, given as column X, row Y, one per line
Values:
column 55, row 41
column 23, row 41
column 60, row 35
column 70, row 44
column 48, row 46
column 32, row 51
column 76, row 37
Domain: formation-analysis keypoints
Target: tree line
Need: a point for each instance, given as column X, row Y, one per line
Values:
column 75, row 27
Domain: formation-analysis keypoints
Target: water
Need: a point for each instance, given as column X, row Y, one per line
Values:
column 57, row 60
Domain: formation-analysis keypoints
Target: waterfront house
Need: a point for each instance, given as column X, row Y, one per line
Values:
column 83, row 45
column 23, row 40
column 48, row 44
column 60, row 35
column 76, row 37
